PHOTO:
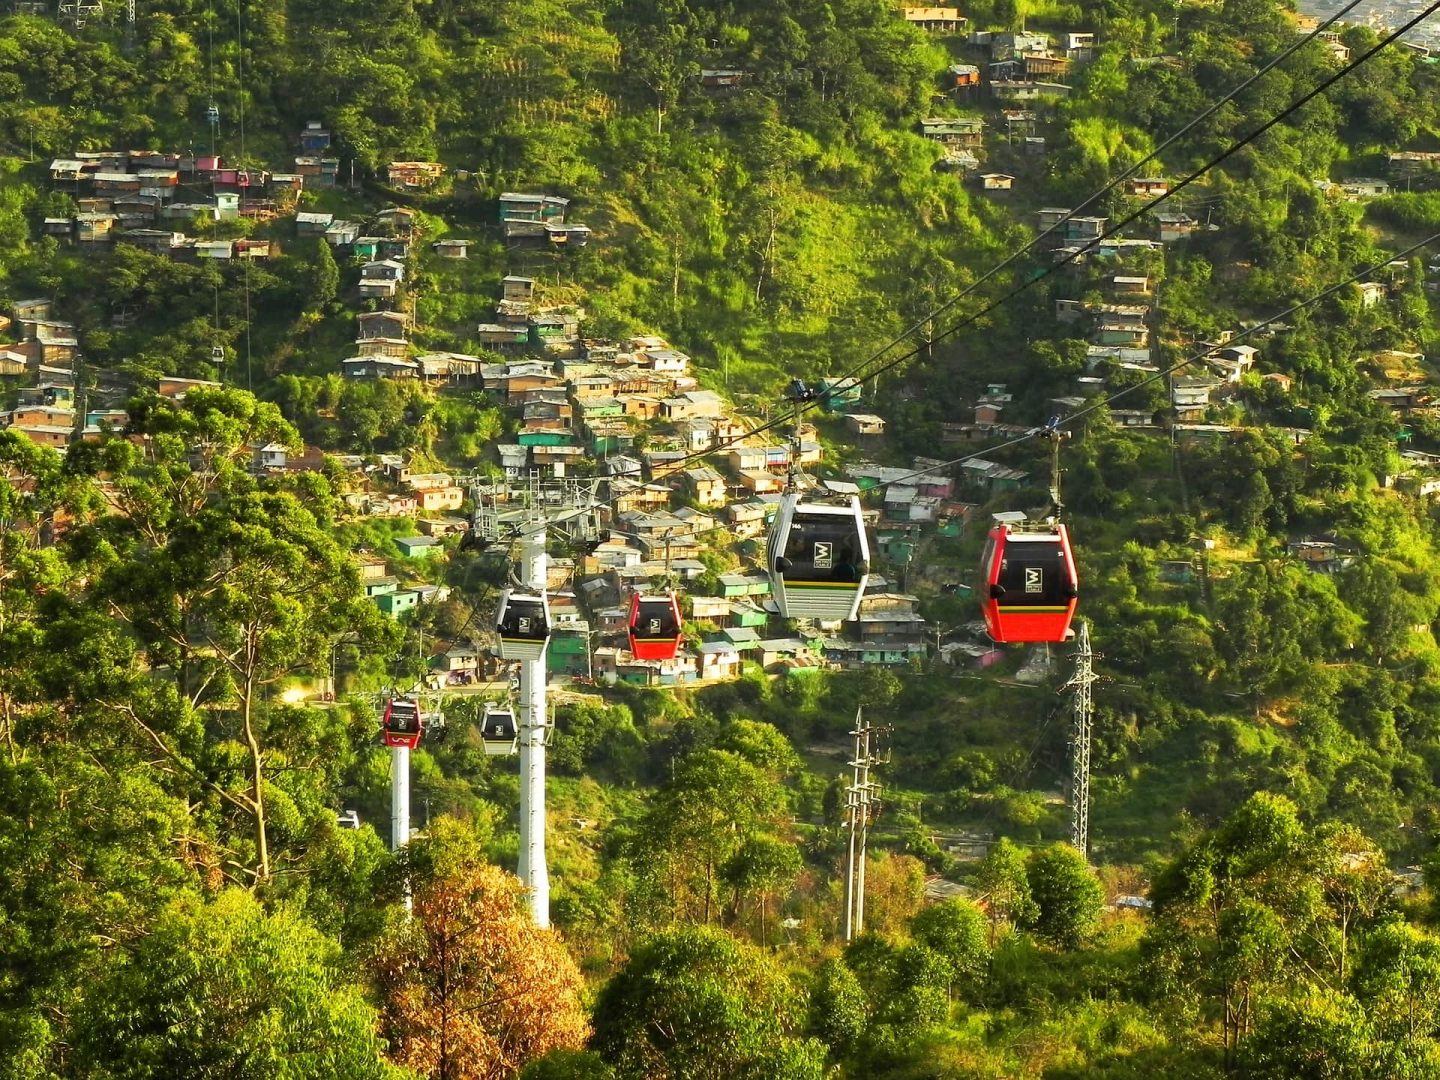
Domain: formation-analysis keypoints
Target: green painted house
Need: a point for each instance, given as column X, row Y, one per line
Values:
column 545, row 437
column 732, row 585
column 568, row 653
column 395, row 603
column 419, row 547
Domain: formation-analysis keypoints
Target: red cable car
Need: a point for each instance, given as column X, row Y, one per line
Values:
column 654, row 627
column 404, row 723
column 1028, row 584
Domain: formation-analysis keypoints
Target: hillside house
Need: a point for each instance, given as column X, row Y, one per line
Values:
column 95, row 228
column 1130, row 285
column 394, row 325
column 1174, row 226
column 1190, row 397
column 693, row 404
column 523, row 207
column 452, row 249
column 965, row 131
column 396, row 221
column 1371, row 293
column 513, row 287
column 1233, row 361
column 747, row 519
column 1116, row 330
column 1027, row 90
column 314, row 138
column 865, row 425
column 706, row 485
column 1079, row 45
column 719, row 660
column 996, row 183
column 313, row 224
column 1008, row 45
column 757, row 482
column 501, row 337
column 341, row 233
column 1408, row 164
column 414, row 174
column 963, row 76
column 1045, row 67
column 935, row 20
column 721, row 80
column 1399, row 399
column 318, row 172
column 1146, row 187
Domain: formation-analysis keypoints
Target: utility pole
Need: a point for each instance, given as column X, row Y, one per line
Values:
column 1082, row 711
column 862, row 803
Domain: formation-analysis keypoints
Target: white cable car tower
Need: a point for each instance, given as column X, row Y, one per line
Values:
column 525, row 512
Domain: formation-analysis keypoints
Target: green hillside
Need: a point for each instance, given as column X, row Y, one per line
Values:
column 217, row 557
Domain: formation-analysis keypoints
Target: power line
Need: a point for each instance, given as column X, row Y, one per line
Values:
column 1101, row 192
column 1232, row 149
column 854, row 371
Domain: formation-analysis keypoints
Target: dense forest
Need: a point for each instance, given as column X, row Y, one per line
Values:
column 178, row 896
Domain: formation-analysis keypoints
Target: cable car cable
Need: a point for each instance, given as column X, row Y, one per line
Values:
column 1120, row 178
column 1099, row 403
column 1156, row 376
column 1233, row 148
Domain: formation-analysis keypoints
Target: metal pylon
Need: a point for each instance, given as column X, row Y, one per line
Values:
column 1082, row 710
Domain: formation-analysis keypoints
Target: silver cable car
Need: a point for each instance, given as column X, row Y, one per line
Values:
column 818, row 558
column 523, row 623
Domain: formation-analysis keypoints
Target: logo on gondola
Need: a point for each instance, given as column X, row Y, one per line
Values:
column 654, row 625
column 523, row 625
column 1034, row 579
column 824, row 555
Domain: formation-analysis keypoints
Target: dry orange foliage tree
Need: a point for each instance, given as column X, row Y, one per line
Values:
column 472, row 988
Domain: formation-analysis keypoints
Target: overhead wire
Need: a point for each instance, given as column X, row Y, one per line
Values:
column 1174, row 189
column 1106, row 401
column 856, row 370
column 791, row 416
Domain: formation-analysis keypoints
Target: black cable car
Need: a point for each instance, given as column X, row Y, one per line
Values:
column 1028, row 584
column 819, row 559
column 498, row 731
column 404, row 722
column 523, row 623
column 654, row 627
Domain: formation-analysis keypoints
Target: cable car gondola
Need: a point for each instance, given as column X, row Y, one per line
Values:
column 523, row 623
column 654, row 627
column 819, row 559
column 404, row 722
column 498, row 731
column 1028, row 584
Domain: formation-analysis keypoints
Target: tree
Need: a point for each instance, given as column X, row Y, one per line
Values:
column 470, row 986
column 325, row 277
column 955, row 930
column 761, row 867
column 1320, row 1038
column 699, row 821
column 694, row 1004
column 839, row 1011
column 568, row 1065
column 224, row 989
column 1068, row 896
column 1001, row 880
